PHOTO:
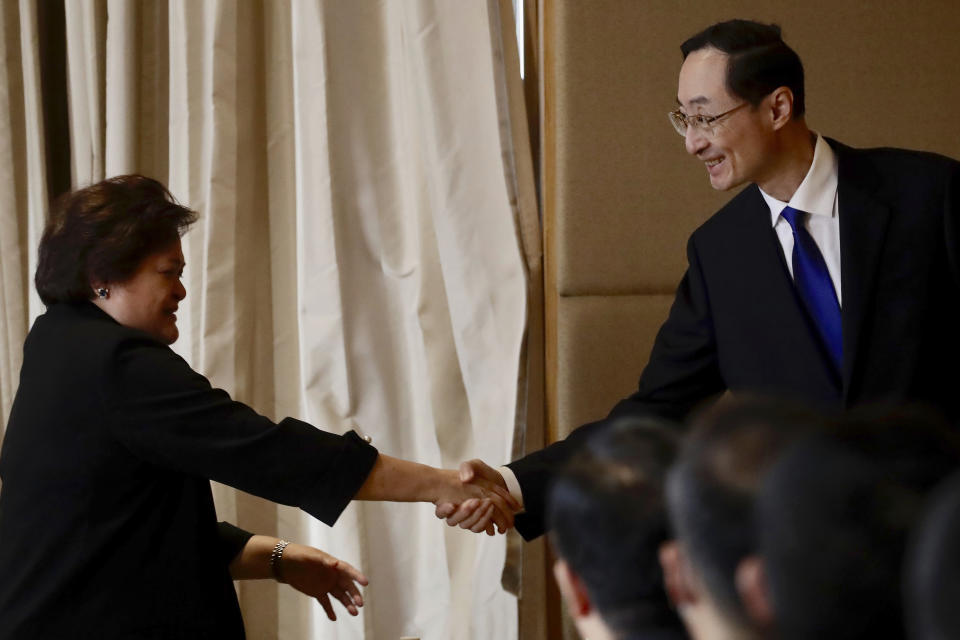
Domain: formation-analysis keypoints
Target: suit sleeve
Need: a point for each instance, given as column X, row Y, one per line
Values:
column 682, row 372
column 951, row 219
column 167, row 414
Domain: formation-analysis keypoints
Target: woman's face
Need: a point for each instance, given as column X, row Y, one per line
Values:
column 149, row 299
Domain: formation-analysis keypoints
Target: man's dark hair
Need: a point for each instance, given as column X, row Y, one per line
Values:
column 607, row 518
column 835, row 513
column 712, row 489
column 103, row 232
column 759, row 61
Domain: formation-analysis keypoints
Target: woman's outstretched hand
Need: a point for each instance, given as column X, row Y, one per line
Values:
column 306, row 569
column 320, row 575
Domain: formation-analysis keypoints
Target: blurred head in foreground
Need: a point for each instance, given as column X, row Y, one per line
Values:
column 711, row 494
column 607, row 518
column 834, row 518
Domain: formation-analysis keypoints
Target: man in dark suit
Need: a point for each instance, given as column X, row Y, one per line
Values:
column 831, row 279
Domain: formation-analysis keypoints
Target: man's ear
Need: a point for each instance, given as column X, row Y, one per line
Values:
column 677, row 578
column 572, row 589
column 751, row 581
column 780, row 103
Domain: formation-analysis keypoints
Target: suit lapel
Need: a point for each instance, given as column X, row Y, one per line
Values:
column 863, row 226
column 766, row 269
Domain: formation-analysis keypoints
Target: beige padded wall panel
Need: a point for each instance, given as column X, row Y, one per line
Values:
column 603, row 344
column 623, row 208
column 628, row 195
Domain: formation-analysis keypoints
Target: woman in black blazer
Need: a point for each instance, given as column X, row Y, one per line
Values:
column 107, row 522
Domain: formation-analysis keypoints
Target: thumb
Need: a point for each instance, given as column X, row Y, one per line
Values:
column 469, row 470
column 445, row 510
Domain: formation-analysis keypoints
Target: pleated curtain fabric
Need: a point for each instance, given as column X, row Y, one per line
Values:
column 361, row 259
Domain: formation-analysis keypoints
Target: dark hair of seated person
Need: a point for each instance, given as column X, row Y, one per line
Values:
column 607, row 516
column 835, row 513
column 103, row 232
column 712, row 489
column 932, row 581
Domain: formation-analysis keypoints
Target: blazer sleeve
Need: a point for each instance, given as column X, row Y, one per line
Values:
column 169, row 415
column 683, row 371
column 230, row 540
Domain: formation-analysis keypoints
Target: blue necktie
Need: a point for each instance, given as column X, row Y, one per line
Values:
column 813, row 282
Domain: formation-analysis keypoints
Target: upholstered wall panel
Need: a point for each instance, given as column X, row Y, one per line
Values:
column 604, row 343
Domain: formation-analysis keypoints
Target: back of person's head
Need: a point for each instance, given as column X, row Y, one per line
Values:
column 834, row 515
column 712, row 489
column 607, row 519
column 932, row 587
column 759, row 60
column 103, row 232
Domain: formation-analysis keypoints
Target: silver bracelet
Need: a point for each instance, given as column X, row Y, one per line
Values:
column 275, row 556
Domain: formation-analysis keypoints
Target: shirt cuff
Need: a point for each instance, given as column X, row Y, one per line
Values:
column 510, row 479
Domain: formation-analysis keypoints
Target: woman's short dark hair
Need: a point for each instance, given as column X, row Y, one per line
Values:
column 103, row 232
column 759, row 60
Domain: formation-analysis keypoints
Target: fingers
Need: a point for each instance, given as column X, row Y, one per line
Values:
column 354, row 593
column 478, row 521
column 445, row 510
column 346, row 600
column 351, row 573
column 324, row 601
column 492, row 507
column 464, row 511
column 502, row 515
column 504, row 493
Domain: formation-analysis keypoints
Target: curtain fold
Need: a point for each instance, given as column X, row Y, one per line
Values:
column 23, row 186
column 361, row 260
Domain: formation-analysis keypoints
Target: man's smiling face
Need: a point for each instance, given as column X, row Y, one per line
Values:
column 739, row 149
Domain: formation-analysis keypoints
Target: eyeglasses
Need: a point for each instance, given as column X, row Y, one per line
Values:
column 700, row 122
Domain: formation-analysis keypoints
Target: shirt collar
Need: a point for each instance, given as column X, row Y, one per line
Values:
column 818, row 192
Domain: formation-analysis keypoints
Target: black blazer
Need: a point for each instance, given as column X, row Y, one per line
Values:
column 107, row 523
column 737, row 323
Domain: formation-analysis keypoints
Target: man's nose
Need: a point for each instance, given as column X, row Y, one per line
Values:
column 695, row 140
column 179, row 292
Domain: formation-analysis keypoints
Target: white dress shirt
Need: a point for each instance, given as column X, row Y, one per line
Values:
column 816, row 195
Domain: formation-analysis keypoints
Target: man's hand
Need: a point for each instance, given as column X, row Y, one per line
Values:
column 476, row 515
column 320, row 576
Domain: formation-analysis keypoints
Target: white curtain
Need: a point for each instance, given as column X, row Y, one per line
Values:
column 361, row 260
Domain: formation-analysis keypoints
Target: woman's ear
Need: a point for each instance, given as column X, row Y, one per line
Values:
column 751, row 581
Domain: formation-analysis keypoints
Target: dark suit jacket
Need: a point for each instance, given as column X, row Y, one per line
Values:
column 737, row 323
column 107, row 523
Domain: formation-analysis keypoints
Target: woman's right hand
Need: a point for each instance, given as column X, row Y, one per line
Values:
column 481, row 499
column 474, row 514
column 487, row 499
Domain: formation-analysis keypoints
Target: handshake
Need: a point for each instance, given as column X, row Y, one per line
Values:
column 477, row 499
